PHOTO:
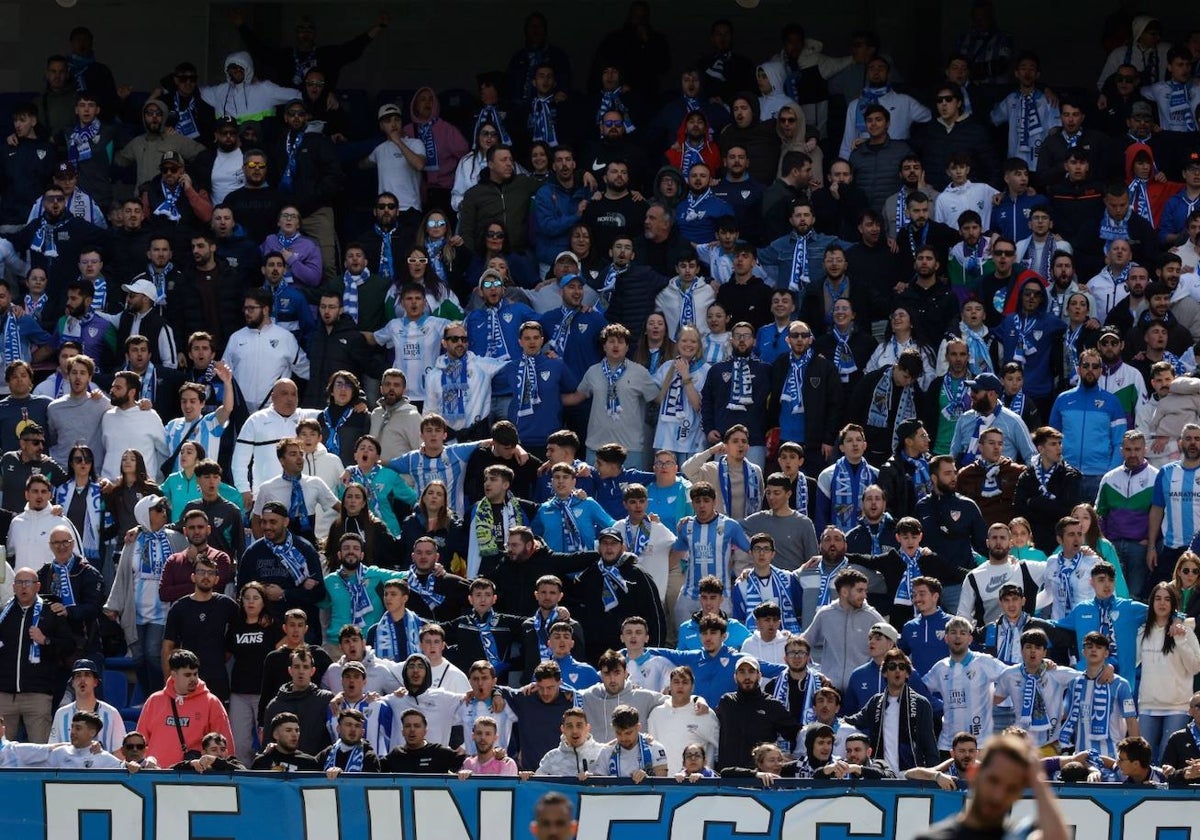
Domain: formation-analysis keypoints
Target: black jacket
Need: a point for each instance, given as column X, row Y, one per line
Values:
column 212, row 302
column 257, row 210
column 311, row 705
column 715, row 414
column 954, row 528
column 935, row 145
column 128, row 259
column 371, row 763
column 824, row 400
column 1180, row 749
column 641, row 597
column 1052, row 157
column 26, row 171
column 1042, row 511
column 916, row 724
column 275, row 674
column 896, row 481
column 318, row 178
column 17, row 674
column 87, row 585
column 862, row 347
column 430, row 758
column 72, row 236
column 749, row 718
column 330, row 350
column 750, row 302
column 531, row 643
column 152, row 325
column 838, row 215
column 933, row 309
column 879, row 438
column 466, row 647
column 633, row 297
column 516, row 580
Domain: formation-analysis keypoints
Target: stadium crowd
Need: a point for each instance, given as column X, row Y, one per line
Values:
column 786, row 425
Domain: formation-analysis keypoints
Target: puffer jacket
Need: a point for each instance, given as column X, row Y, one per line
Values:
column 570, row 761
column 875, row 169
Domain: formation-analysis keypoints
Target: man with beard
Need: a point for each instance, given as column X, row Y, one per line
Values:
column 262, row 352
column 127, row 426
column 742, row 193
column 985, row 588
column 234, row 245
column 1048, row 489
column 287, row 566
column 559, row 205
column 615, row 143
column 256, row 205
column 146, row 151
column 1123, row 381
column 219, row 170
column 93, row 333
column 336, row 344
column 987, row 411
column 199, row 621
column 991, row 480
column 438, row 596
column 920, row 231
column 56, row 239
column 383, row 242
column 159, row 385
column 612, row 587
column 927, row 294
column 76, row 415
column 142, row 317
column 1092, row 421
column 526, row 560
column 210, row 295
column 616, row 213
column 502, row 197
column 886, row 398
column 693, row 144
column 955, row 527
column 395, row 422
column 1179, row 338
column 896, row 213
column 748, row 717
column 796, row 261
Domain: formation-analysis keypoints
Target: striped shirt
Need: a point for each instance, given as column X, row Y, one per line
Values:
column 111, row 735
column 1177, row 492
column 966, row 690
column 1121, row 707
column 708, row 546
column 471, row 710
column 448, row 466
column 207, row 430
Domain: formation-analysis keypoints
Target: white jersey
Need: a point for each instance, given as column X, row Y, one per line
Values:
column 470, row 711
column 439, row 706
column 111, row 736
column 649, row 671
column 655, row 557
column 1100, row 721
column 450, row 678
column 966, row 689
column 256, row 442
column 73, row 758
column 1066, row 583
column 416, row 345
column 1052, row 687
column 615, row 760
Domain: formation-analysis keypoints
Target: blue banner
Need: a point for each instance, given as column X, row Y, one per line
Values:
column 263, row 806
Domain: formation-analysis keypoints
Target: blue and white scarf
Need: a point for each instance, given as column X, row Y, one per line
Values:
column 690, row 156
column 1029, row 126
column 901, row 209
column 869, row 96
column 793, row 386
column 562, row 332
column 159, row 276
column 350, row 295
column 848, row 484
column 687, row 308
column 187, row 117
column 610, row 100
column 741, row 392
column 674, row 405
column 93, row 517
column 487, row 638
column 367, row 480
column 529, row 395
column 881, row 406
column 1025, row 345
column 354, row 762
column 613, row 582
column 291, row 146
column 34, row 307
column 426, row 590
column 1139, row 199
column 541, row 630
column 843, row 356
column 541, row 120
column 63, row 587
column 79, row 143
column 429, row 141
column 35, row 650
column 1033, row 702
column 491, row 114
column 1066, row 571
column 1044, row 475
column 612, row 397
column 980, row 358
column 750, row 481
column 1113, row 229
column 1179, row 104
column 646, row 758
column 912, row 569
column 333, row 438
column 1097, row 719
column 1071, row 354
column 387, row 266
column 289, row 555
column 360, row 599
column 12, row 348
column 153, row 550
column 922, row 483
column 825, row 581
column 956, row 396
column 387, row 637
column 169, row 206
column 496, row 348
column 637, row 537
column 798, row 278
column 297, row 507
column 783, row 692
column 45, row 238
column 777, row 587
column 875, row 532
column 454, row 391
column 433, row 250
column 572, row 538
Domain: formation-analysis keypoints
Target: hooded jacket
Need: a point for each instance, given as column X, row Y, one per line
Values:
column 1158, row 192
column 250, row 100
column 760, row 141
column 641, row 597
column 1135, row 56
column 570, row 761
column 749, row 718
column 1043, row 330
column 310, row 704
column 447, row 140
column 123, row 596
column 198, row 714
column 770, row 103
column 709, row 153
column 146, row 150
column 680, row 186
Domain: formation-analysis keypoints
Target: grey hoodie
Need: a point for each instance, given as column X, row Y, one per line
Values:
column 599, row 705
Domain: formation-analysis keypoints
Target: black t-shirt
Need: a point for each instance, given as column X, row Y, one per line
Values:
column 201, row 626
column 281, row 763
column 250, row 644
column 524, row 475
column 953, row 829
column 431, row 758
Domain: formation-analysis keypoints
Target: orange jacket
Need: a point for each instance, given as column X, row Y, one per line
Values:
column 199, row 713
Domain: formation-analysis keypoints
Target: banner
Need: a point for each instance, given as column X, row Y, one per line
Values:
column 264, row 806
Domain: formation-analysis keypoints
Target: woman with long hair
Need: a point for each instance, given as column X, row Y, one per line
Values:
column 900, row 335
column 680, row 382
column 1170, row 659
column 439, row 298
column 355, row 517
column 655, row 347
column 82, row 501
column 466, row 174
column 541, row 155
column 1022, row 547
column 122, row 496
column 432, row 517
column 447, row 267
column 249, row 639
column 1185, row 580
column 1085, row 512
column 182, row 486
column 341, row 424
column 580, row 243
column 495, row 242
column 717, row 347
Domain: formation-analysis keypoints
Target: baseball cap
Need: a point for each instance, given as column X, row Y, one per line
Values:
column 986, row 382
column 65, row 170
column 886, row 630
column 613, row 534
column 355, row 666
column 85, row 666
column 566, row 255
column 277, row 508
column 171, row 158
column 568, row 279
column 141, row 287
column 747, row 659
column 227, row 122
column 389, row 110
column 1141, row 109
column 1191, row 159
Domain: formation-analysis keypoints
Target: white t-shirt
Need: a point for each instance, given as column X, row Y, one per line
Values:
column 72, row 758
column 396, row 174
column 227, row 174
column 440, row 708
column 450, row 678
column 630, row 760
column 471, row 711
column 675, row 728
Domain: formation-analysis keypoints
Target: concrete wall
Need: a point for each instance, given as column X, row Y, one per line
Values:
column 449, row 40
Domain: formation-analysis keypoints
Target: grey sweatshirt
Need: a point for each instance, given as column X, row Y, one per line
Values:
column 598, row 705
column 73, row 419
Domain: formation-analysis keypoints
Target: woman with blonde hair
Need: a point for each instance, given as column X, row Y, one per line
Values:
column 680, row 382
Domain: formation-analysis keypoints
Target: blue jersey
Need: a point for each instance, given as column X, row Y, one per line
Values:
column 538, row 413
column 924, row 640
column 689, row 634
column 291, row 311
column 1095, row 716
column 708, row 546
column 771, row 342
column 579, row 534
column 696, row 216
column 1011, row 216
column 543, row 491
column 1117, row 618
column 1177, row 492
column 714, row 672
column 494, row 332
column 780, row 586
column 576, row 676
column 577, row 340
column 449, row 467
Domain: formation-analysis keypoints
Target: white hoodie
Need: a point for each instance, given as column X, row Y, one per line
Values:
column 29, row 537
column 253, row 99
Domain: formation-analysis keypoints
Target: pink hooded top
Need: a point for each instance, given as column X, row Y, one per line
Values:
column 444, row 144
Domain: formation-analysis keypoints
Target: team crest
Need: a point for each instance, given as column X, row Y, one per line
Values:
column 1037, row 334
column 583, row 328
column 507, row 316
column 725, row 377
column 1099, row 403
column 1026, row 212
column 724, row 661
column 545, row 376
column 274, row 342
column 745, row 193
column 954, row 515
column 814, row 381
column 941, row 634
column 41, row 153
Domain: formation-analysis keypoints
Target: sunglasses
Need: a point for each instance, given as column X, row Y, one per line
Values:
column 387, row 205
column 255, row 164
column 1004, row 253
column 132, row 746
column 785, row 120
column 314, row 83
column 79, row 459
column 436, row 223
column 613, row 123
column 495, row 234
column 896, row 666
column 417, row 260
column 1189, row 571
column 456, row 339
column 37, row 442
column 491, row 284
column 941, row 99
column 800, row 335
column 1089, row 366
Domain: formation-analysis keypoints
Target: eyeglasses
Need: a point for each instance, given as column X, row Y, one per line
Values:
column 800, row 652
column 435, row 223
column 291, row 216
column 896, row 666
column 387, row 206
column 491, row 284
column 1004, row 253
column 24, row 583
column 1089, row 366
column 342, row 383
column 761, row 549
column 313, row 83
column 489, row 133
column 55, row 199
column 495, row 234
column 255, row 164
column 418, row 260
column 251, row 308
column 152, row 112
column 800, row 335
column 457, row 339
column 295, row 112
column 206, row 573
column 613, row 123
column 693, row 754
column 133, row 746
column 62, row 542
column 664, row 463
column 785, row 120
column 941, row 99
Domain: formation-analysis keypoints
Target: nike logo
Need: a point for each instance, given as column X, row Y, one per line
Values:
column 995, row 584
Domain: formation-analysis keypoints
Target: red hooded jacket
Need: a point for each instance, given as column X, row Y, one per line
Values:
column 709, row 152
column 1157, row 191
